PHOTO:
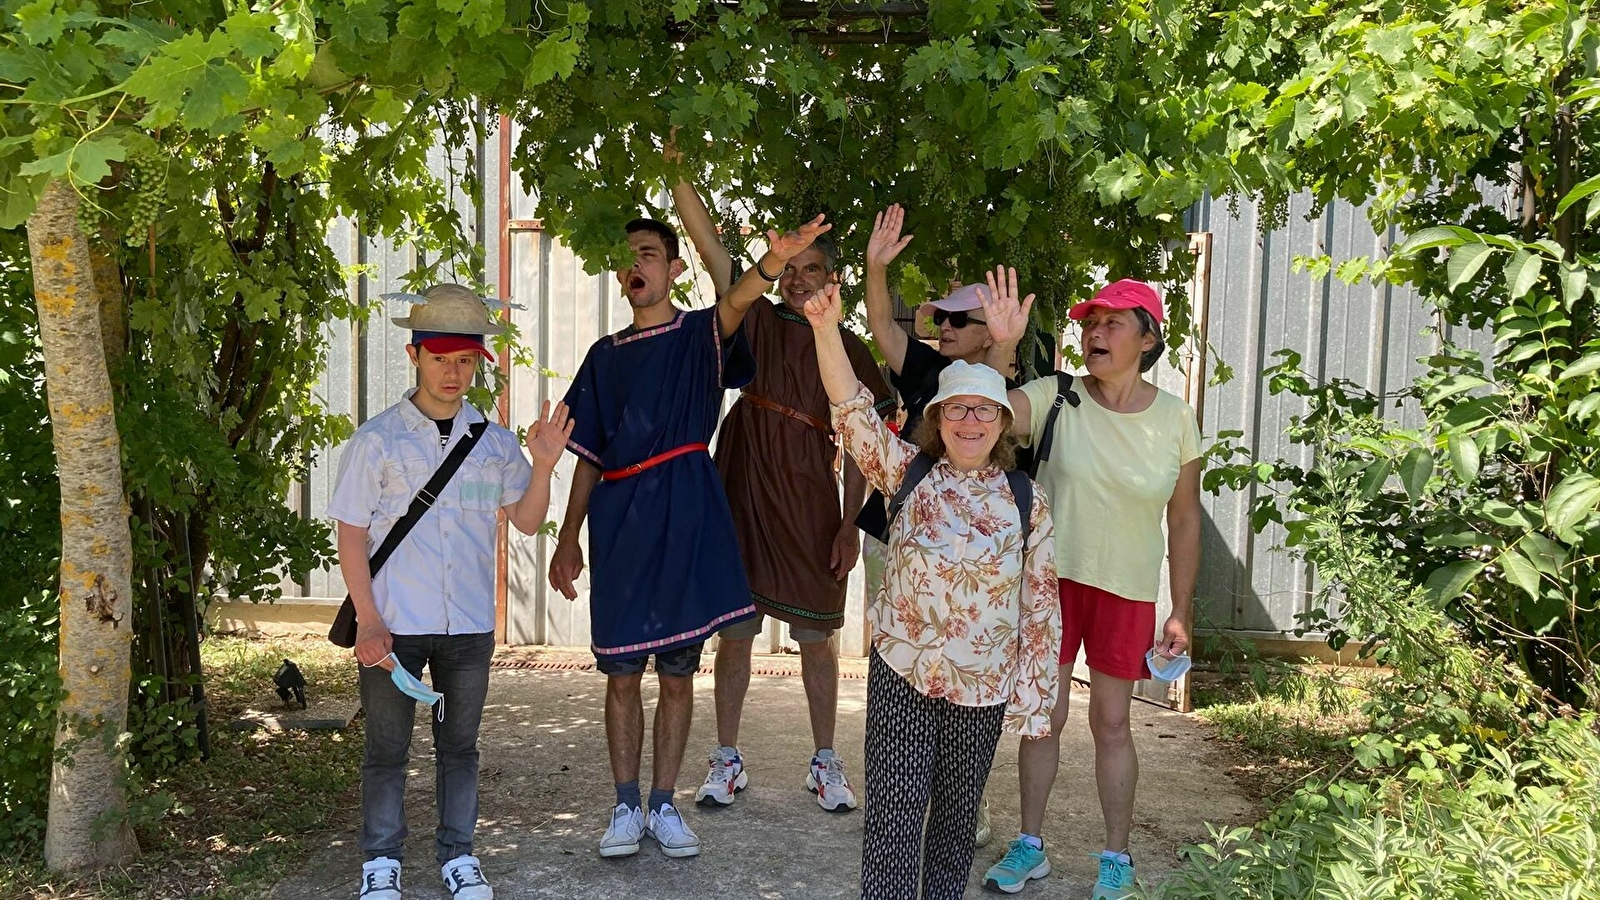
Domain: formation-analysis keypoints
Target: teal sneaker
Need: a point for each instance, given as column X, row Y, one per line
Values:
column 1022, row 863
column 1116, row 876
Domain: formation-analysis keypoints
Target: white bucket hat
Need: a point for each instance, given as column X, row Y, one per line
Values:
column 962, row 377
column 447, row 309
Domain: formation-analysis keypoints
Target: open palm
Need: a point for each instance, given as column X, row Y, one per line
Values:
column 886, row 243
column 547, row 438
column 788, row 245
column 1007, row 319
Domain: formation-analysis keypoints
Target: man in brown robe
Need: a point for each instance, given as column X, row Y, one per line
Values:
column 779, row 466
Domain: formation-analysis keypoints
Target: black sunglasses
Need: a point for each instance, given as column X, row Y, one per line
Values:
column 958, row 320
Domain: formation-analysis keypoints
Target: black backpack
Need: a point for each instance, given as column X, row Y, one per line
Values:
column 922, row 464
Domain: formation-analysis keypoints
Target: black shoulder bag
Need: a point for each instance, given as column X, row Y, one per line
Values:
column 343, row 632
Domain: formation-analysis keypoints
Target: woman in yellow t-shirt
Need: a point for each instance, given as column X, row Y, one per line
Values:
column 1123, row 458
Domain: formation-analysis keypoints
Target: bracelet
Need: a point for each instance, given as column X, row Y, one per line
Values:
column 763, row 272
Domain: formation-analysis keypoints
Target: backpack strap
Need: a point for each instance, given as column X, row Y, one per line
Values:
column 920, row 466
column 1064, row 394
column 1022, row 490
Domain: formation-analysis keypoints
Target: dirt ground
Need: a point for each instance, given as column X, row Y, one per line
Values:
column 546, row 795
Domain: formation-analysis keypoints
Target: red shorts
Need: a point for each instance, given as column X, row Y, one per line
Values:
column 1115, row 633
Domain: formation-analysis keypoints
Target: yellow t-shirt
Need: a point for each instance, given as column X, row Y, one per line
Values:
column 1109, row 477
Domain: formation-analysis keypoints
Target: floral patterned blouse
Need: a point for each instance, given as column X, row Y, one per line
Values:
column 962, row 614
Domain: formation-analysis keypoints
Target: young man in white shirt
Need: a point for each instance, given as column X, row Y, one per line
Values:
column 432, row 602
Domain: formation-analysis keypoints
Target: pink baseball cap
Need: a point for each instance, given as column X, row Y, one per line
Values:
column 962, row 298
column 1125, row 294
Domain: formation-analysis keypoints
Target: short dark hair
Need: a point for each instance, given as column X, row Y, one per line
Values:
column 1149, row 325
column 669, row 238
column 829, row 250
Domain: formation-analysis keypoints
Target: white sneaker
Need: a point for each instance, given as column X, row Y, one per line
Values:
column 622, row 838
column 672, row 833
column 826, row 779
column 380, row 879
column 724, row 778
column 464, row 877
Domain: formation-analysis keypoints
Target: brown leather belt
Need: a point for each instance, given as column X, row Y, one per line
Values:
column 792, row 413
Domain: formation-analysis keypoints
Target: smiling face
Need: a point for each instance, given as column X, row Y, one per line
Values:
column 968, row 441
column 969, row 343
column 442, row 379
column 649, row 280
column 803, row 276
column 1113, row 341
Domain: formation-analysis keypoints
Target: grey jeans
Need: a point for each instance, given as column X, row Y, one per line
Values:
column 458, row 666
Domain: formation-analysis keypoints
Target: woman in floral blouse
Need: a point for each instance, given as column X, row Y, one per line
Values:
column 966, row 629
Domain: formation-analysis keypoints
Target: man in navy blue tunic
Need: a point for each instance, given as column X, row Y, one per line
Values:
column 667, row 570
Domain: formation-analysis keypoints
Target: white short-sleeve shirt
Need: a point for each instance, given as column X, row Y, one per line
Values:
column 440, row 579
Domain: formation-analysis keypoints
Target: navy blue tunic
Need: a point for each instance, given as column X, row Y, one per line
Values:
column 664, row 566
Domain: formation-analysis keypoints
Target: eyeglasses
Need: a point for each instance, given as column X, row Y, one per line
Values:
column 955, row 412
column 958, row 320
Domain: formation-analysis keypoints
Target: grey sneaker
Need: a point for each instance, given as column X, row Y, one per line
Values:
column 669, row 829
column 380, row 879
column 622, row 837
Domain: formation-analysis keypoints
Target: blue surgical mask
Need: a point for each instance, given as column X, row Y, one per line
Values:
column 414, row 687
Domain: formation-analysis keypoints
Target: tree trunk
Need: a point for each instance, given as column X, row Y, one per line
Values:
column 87, row 826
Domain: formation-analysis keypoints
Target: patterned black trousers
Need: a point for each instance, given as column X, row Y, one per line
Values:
column 926, row 764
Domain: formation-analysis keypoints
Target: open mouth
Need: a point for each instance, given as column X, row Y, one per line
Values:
column 636, row 283
column 1098, row 351
column 969, row 435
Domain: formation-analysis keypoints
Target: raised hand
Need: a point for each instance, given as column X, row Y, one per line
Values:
column 669, row 150
column 822, row 310
column 1007, row 319
column 788, row 245
column 886, row 243
column 547, row 437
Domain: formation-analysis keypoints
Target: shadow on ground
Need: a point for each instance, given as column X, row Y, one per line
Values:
column 547, row 791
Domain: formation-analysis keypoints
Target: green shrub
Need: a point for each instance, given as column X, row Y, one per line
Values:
column 1526, row 830
column 30, row 691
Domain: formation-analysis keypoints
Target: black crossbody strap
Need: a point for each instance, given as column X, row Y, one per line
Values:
column 429, row 493
column 1064, row 394
column 920, row 466
column 1022, row 492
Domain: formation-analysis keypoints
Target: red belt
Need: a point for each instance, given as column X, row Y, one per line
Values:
column 652, row 462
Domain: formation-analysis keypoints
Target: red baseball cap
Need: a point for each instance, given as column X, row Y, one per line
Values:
column 1125, row 294
column 435, row 342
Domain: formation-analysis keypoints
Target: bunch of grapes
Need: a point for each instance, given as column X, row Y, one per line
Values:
column 144, row 192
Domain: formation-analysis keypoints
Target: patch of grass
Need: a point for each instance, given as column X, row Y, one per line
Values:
column 1291, row 722
column 240, row 821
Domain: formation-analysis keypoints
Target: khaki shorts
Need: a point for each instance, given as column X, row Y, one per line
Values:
column 752, row 627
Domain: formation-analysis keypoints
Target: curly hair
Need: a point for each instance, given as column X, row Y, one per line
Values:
column 927, row 437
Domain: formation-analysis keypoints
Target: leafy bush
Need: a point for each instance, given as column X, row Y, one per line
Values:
column 30, row 691
column 1526, row 826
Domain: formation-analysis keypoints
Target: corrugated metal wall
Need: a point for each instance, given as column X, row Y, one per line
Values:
column 1257, row 305
column 1370, row 334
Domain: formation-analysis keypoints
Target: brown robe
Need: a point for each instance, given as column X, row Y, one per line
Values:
column 779, row 471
